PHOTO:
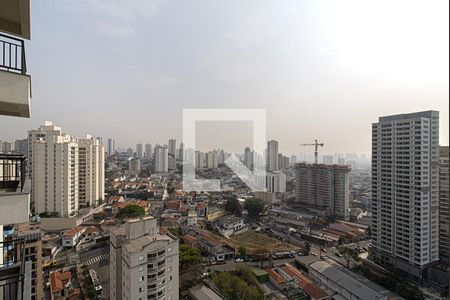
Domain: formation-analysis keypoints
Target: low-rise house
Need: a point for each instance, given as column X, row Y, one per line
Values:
column 229, row 225
column 72, row 236
column 60, row 284
column 192, row 218
column 213, row 213
column 287, row 277
column 216, row 248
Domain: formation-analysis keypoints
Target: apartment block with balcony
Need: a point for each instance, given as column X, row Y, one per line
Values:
column 15, row 83
column 143, row 262
column 405, row 193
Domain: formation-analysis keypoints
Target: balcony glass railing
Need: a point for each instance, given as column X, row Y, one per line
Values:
column 12, row 54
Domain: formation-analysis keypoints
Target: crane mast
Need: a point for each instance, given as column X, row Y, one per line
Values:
column 316, row 150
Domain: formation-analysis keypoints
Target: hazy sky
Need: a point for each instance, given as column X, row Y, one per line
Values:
column 322, row 69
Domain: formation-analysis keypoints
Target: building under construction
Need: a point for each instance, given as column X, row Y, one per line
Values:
column 324, row 187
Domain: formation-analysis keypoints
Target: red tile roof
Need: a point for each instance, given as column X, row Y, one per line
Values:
column 58, row 280
column 305, row 283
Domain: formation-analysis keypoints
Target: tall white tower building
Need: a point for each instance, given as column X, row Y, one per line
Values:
column 139, row 151
column 405, row 192
column 172, row 147
column 53, row 170
column 272, row 155
column 148, row 151
column 91, row 175
column 161, row 159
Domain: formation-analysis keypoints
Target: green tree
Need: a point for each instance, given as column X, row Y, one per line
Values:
column 233, row 286
column 234, row 207
column 130, row 211
column 254, row 207
column 307, row 248
column 189, row 255
column 242, row 251
column 348, row 254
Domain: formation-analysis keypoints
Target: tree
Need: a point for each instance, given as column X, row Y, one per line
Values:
column 189, row 255
column 242, row 251
column 234, row 207
column 130, row 211
column 307, row 248
column 254, row 207
column 348, row 254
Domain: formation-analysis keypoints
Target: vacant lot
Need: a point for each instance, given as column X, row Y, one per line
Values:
column 256, row 240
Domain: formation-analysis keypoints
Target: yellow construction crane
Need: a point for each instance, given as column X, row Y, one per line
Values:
column 316, row 153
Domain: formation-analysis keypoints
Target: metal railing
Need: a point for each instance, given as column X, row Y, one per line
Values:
column 12, row 54
column 12, row 269
column 12, row 172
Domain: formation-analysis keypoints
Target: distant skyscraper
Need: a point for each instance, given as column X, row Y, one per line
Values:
column 405, row 192
column 6, row 147
column 21, row 146
column 272, row 155
column 276, row 182
column 324, row 187
column 327, row 159
column 139, row 151
column 130, row 152
column 172, row 147
column 212, row 160
column 283, row 162
column 199, row 160
column 134, row 166
column 148, row 151
column 161, row 159
column 181, row 152
column 248, row 158
column 444, row 204
column 110, row 149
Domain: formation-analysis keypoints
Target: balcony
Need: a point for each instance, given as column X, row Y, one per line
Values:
column 15, row 84
column 15, row 272
column 14, row 197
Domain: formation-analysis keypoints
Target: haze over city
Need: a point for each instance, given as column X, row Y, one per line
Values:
column 323, row 70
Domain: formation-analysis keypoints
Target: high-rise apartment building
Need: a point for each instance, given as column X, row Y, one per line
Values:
column 444, row 204
column 134, row 166
column 139, row 151
column 172, row 147
column 325, row 187
column 212, row 160
column 148, row 154
column 276, row 182
column 6, row 147
column 161, row 159
column 405, row 192
column 143, row 262
column 327, row 159
column 91, row 171
column 248, row 158
column 111, row 147
column 21, row 146
column 53, row 170
column 65, row 172
column 200, row 161
column 272, row 155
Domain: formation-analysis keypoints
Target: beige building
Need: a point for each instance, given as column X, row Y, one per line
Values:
column 143, row 262
column 66, row 172
column 91, row 175
column 53, row 170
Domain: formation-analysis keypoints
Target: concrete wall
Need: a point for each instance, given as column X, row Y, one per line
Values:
column 15, row 94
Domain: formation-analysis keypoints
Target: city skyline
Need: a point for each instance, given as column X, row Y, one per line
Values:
column 327, row 81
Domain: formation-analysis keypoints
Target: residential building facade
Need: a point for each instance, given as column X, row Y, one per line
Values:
column 405, row 192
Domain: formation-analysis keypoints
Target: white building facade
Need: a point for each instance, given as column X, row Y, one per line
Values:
column 405, row 192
